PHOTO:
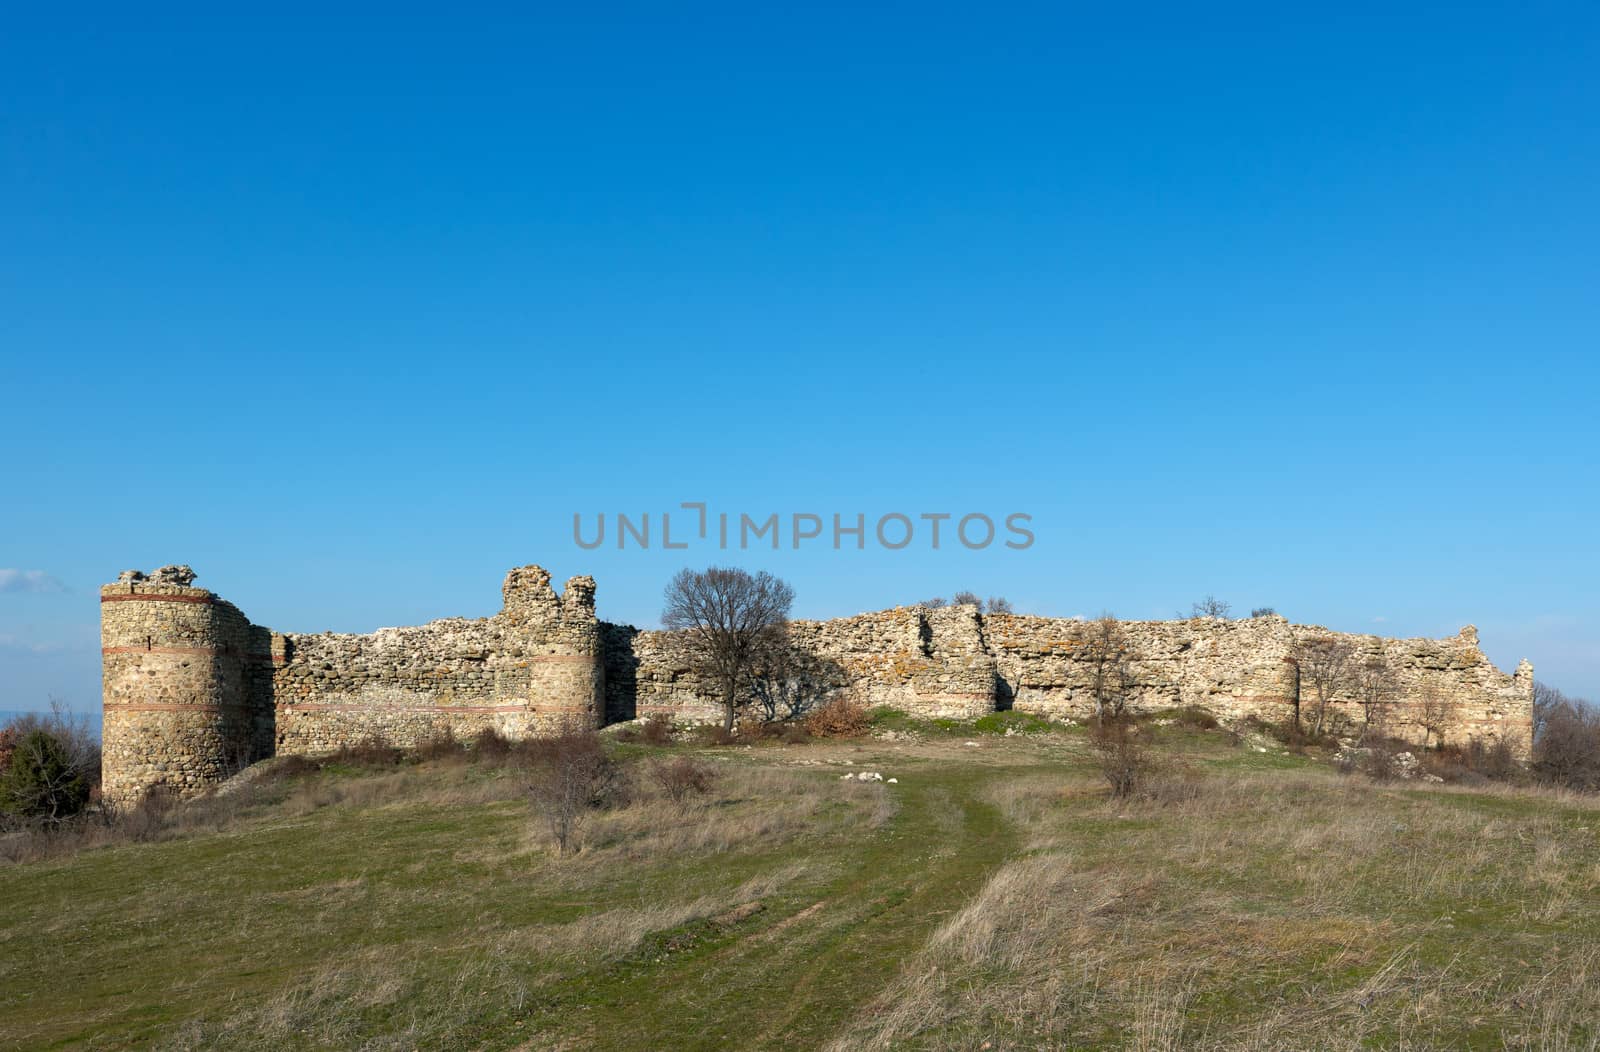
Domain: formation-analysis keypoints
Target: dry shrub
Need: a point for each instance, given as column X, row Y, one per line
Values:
column 151, row 817
column 568, row 776
column 1475, row 763
column 1124, row 762
column 490, row 744
column 716, row 734
column 442, row 744
column 839, row 718
column 681, row 778
column 1376, row 757
column 372, row 751
column 657, row 730
column 1567, row 752
column 159, row 816
column 286, row 769
column 1195, row 718
column 758, row 730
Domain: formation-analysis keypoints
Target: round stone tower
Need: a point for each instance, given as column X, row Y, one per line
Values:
column 560, row 639
column 177, row 694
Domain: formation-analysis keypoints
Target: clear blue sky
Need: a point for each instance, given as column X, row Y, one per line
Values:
column 353, row 313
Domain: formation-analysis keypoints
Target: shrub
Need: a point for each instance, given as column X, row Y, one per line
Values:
column 1123, row 761
column 441, row 745
column 285, row 768
column 658, row 730
column 568, row 776
column 1375, row 759
column 148, row 819
column 1195, row 718
column 1567, row 752
column 49, row 765
column 371, row 751
column 43, row 779
column 490, row 744
column 839, row 718
column 1490, row 758
column 680, row 778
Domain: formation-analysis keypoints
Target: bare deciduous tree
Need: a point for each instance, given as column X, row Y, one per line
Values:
column 1432, row 714
column 1547, row 700
column 1566, row 749
column 1373, row 684
column 1210, row 606
column 726, row 616
column 1324, row 664
column 1105, row 648
column 995, row 604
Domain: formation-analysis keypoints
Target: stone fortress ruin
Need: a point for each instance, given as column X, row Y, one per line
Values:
column 193, row 691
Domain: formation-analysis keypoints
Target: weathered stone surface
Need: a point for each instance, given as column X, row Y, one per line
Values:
column 954, row 662
column 194, row 691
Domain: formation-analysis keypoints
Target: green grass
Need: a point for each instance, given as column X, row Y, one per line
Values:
column 885, row 718
column 994, row 894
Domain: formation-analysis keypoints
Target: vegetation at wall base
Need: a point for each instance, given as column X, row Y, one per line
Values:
column 1236, row 895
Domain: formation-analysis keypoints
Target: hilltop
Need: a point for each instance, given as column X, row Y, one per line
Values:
column 1249, row 897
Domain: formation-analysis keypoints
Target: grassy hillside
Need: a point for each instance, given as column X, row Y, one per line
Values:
column 1251, row 900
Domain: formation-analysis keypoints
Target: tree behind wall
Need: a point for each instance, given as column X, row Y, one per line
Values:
column 1373, row 684
column 1325, row 664
column 1104, row 647
column 727, row 617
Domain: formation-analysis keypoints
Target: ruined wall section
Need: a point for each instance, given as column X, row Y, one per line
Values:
column 1245, row 668
column 193, row 691
column 931, row 662
column 953, row 662
column 531, row 669
column 1229, row 667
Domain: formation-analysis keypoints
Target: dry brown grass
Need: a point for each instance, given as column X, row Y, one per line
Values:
column 1262, row 911
column 839, row 718
column 745, row 807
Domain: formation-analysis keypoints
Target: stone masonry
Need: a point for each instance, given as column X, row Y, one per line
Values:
column 955, row 662
column 193, row 691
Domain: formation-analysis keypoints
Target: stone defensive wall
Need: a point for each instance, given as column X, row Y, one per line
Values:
column 193, row 691
column 955, row 662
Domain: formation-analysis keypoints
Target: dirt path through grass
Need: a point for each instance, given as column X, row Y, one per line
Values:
column 791, row 976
